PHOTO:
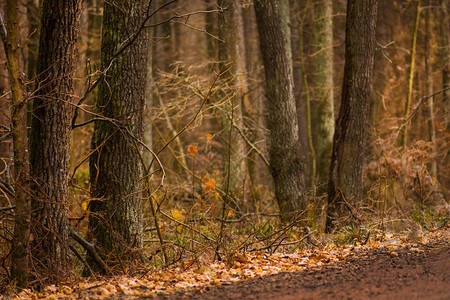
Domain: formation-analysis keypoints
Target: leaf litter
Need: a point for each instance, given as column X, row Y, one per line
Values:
column 194, row 274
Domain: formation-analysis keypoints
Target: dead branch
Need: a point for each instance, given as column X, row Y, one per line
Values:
column 90, row 248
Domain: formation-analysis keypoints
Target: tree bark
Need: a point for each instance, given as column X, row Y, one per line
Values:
column 286, row 163
column 285, row 9
column 51, row 130
column 323, row 42
column 21, row 238
column 229, row 64
column 350, row 138
column 115, row 222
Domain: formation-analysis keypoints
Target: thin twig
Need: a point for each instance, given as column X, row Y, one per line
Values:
column 6, row 208
column 422, row 100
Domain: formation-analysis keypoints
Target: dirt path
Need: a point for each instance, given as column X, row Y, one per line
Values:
column 418, row 273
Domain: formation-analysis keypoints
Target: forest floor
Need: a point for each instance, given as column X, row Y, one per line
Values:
column 412, row 272
column 393, row 267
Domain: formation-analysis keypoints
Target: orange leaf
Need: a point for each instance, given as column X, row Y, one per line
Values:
column 209, row 137
column 192, row 149
column 209, row 184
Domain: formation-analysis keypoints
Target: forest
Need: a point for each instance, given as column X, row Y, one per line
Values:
column 141, row 136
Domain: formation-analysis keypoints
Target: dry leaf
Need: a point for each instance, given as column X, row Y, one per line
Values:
column 209, row 184
column 177, row 215
column 192, row 150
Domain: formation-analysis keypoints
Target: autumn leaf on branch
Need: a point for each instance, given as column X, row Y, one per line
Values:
column 192, row 150
column 208, row 184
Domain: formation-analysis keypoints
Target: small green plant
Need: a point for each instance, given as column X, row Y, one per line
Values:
column 351, row 234
column 428, row 217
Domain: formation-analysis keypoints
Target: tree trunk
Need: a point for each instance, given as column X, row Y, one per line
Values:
column 21, row 238
column 229, row 64
column 286, row 164
column 51, row 130
column 211, row 28
column 323, row 42
column 33, row 13
column 252, row 103
column 306, row 112
column 412, row 65
column 285, row 9
column 445, row 31
column 350, row 138
column 149, row 103
column 94, row 30
column 115, row 222
column 429, row 88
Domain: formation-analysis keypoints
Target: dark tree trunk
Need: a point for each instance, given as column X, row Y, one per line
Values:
column 286, row 164
column 51, row 130
column 115, row 222
column 350, row 138
column 21, row 237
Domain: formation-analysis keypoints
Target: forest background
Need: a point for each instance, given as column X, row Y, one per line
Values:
column 157, row 139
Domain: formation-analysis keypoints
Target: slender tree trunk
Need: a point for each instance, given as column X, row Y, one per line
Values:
column 252, row 103
column 115, row 222
column 94, row 31
column 33, row 36
column 21, row 238
column 323, row 42
column 51, row 129
column 412, row 65
column 307, row 100
column 429, row 88
column 445, row 31
column 244, row 90
column 286, row 164
column 34, row 8
column 229, row 63
column 149, row 102
column 211, row 28
column 350, row 138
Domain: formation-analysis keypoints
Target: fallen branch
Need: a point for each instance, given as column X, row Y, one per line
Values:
column 90, row 248
column 81, row 258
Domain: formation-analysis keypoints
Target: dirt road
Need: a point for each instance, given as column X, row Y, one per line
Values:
column 421, row 272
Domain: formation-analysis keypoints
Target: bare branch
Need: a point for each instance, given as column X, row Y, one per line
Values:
column 91, row 249
column 6, row 208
